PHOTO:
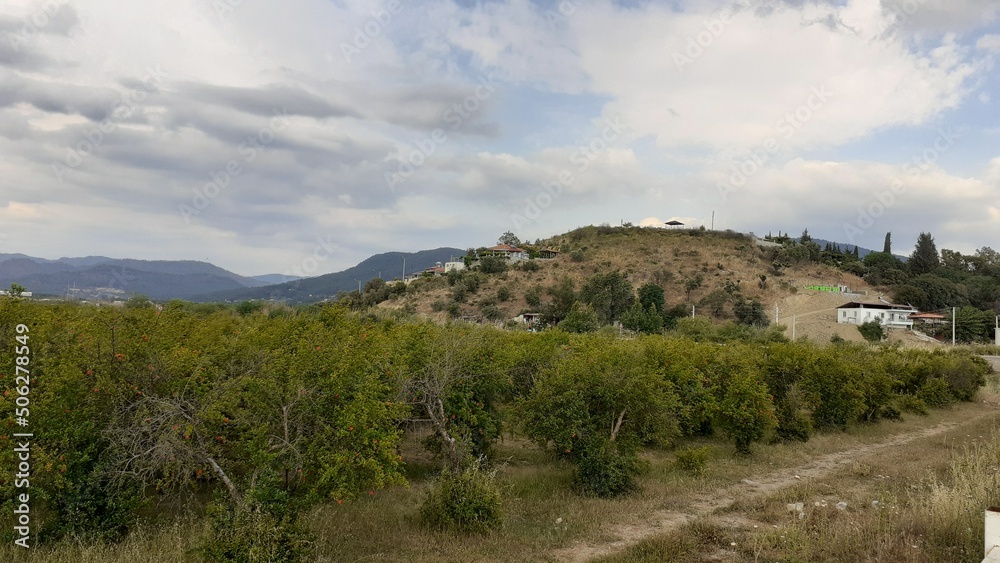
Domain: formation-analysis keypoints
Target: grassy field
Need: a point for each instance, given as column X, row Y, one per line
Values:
column 931, row 476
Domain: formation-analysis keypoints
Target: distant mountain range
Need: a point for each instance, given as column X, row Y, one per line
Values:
column 388, row 265
column 100, row 277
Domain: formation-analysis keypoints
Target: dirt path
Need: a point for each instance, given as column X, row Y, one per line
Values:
column 704, row 504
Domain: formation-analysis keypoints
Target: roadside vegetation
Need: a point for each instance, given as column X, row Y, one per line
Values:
column 250, row 431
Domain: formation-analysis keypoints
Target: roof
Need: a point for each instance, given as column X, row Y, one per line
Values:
column 927, row 316
column 876, row 305
column 673, row 223
column 505, row 248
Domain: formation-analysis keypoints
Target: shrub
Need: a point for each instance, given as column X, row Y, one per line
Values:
column 254, row 533
column 491, row 312
column 467, row 501
column 530, row 266
column 935, row 392
column 692, row 459
column 503, row 294
column 872, row 331
column 605, row 471
column 580, row 319
column 492, row 265
column 249, row 307
column 533, row 296
column 746, row 411
column 577, row 256
column 909, row 403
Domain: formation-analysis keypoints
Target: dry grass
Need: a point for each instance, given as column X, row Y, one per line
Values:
column 930, row 499
column 662, row 256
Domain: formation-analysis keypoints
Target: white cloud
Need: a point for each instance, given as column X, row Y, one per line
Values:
column 755, row 72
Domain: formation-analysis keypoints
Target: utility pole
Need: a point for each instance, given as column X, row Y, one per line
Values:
column 775, row 314
column 692, row 311
column 793, row 328
column 713, row 220
column 404, row 268
column 953, row 326
column 996, row 331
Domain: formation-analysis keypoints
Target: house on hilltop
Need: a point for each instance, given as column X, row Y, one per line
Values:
column 511, row 253
column 890, row 315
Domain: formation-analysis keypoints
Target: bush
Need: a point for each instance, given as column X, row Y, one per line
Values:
column 503, row 294
column 492, row 265
column 909, row 403
column 249, row 307
column 746, row 411
column 254, row 533
column 692, row 460
column 935, row 392
column 605, row 471
column 533, row 296
column 530, row 266
column 577, row 256
column 491, row 312
column 580, row 319
column 872, row 331
column 467, row 501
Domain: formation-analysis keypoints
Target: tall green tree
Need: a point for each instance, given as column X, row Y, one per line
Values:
column 610, row 294
column 887, row 246
column 925, row 258
column 651, row 294
column 509, row 238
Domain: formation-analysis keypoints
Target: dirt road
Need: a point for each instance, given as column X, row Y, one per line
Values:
column 703, row 504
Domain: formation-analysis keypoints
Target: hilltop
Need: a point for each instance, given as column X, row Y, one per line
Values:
column 694, row 267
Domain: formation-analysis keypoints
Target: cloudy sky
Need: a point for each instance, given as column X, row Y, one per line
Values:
column 256, row 134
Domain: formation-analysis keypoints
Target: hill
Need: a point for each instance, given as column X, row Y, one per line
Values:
column 99, row 277
column 327, row 286
column 700, row 268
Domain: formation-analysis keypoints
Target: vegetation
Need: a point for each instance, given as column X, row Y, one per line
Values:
column 257, row 422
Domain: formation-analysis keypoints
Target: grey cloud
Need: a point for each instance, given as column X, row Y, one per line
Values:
column 266, row 100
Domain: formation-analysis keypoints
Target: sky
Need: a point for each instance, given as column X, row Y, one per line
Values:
column 306, row 135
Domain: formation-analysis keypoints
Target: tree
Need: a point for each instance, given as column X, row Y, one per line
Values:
column 805, row 237
column 16, row 289
column 972, row 325
column 651, row 294
column 492, row 265
column 509, row 238
column 750, row 313
column 596, row 407
column 563, row 297
column 609, row 294
column 580, row 318
column 887, row 246
column 692, row 284
column 924, row 258
column 648, row 321
column 872, row 331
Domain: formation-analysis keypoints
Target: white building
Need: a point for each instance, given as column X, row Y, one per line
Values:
column 449, row 266
column 889, row 314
